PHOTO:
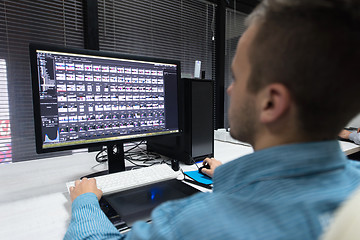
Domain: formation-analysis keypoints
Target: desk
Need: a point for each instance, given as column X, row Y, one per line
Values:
column 349, row 148
column 34, row 202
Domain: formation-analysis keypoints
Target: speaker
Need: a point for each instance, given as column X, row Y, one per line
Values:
column 197, row 139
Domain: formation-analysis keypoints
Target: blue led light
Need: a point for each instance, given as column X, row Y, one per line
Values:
column 152, row 195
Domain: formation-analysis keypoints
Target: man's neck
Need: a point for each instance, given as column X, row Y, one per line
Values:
column 279, row 137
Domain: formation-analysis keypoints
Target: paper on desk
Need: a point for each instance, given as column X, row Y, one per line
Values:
column 199, row 177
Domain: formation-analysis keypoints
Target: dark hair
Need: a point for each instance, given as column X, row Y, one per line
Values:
column 313, row 48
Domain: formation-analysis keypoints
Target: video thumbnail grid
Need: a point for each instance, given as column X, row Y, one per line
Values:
column 96, row 99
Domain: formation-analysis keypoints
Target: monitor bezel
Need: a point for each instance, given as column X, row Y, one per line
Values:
column 33, row 47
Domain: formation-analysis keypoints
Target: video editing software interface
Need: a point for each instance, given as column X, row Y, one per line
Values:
column 90, row 98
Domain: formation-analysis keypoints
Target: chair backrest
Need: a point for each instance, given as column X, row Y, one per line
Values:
column 345, row 224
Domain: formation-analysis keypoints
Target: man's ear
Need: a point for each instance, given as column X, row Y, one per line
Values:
column 275, row 102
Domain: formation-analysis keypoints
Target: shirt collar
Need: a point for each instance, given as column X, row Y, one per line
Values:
column 284, row 160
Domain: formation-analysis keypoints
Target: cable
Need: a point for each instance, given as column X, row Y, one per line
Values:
column 136, row 145
column 140, row 165
column 193, row 160
column 93, row 167
column 142, row 155
column 146, row 158
column 100, row 157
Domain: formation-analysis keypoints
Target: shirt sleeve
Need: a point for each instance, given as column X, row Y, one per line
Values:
column 88, row 221
column 355, row 137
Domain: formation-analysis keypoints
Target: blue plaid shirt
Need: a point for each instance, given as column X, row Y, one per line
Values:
column 284, row 192
column 355, row 137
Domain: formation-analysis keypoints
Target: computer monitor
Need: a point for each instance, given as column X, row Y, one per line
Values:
column 84, row 98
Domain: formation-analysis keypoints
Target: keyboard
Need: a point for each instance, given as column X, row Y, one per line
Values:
column 121, row 181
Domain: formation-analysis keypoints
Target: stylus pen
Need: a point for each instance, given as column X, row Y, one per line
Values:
column 198, row 183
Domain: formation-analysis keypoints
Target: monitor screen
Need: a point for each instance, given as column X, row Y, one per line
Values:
column 85, row 97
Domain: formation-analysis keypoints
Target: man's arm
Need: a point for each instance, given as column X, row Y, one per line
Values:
column 344, row 134
column 353, row 136
column 213, row 163
column 84, row 186
column 89, row 222
column 87, row 219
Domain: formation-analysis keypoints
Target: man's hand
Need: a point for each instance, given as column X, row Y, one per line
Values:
column 84, row 186
column 344, row 134
column 213, row 163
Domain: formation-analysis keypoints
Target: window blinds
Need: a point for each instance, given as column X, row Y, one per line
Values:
column 235, row 27
column 21, row 22
column 183, row 30
column 5, row 132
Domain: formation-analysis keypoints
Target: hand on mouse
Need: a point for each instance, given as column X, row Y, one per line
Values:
column 213, row 163
column 84, row 186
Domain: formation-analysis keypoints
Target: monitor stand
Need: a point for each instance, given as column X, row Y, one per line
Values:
column 116, row 160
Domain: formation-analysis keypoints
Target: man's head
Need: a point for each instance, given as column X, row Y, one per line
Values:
column 311, row 48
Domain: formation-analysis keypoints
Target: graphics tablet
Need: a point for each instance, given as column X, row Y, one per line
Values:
column 124, row 208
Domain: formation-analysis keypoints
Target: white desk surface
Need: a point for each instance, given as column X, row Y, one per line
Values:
column 34, row 201
column 349, row 148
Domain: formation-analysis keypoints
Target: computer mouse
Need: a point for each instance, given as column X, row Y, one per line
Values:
column 207, row 166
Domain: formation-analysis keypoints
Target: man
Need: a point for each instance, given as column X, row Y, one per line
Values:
column 291, row 71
